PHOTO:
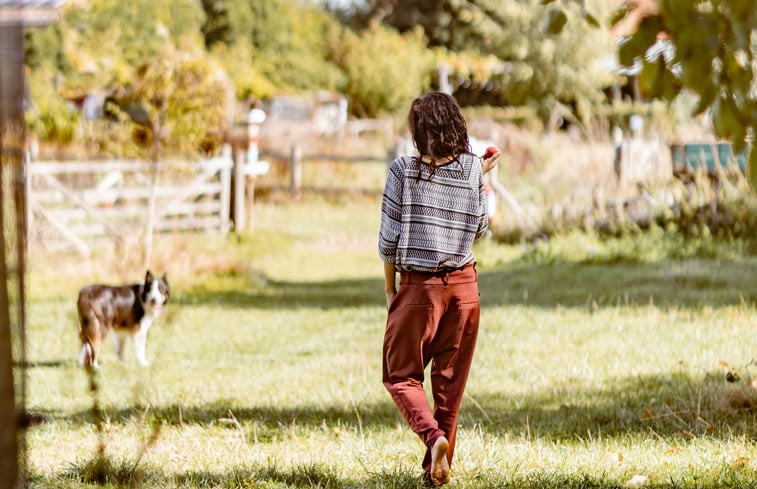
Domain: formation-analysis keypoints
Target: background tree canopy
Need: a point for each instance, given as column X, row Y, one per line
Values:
column 146, row 57
column 531, row 68
column 381, row 53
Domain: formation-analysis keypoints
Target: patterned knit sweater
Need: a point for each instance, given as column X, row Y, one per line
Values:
column 429, row 221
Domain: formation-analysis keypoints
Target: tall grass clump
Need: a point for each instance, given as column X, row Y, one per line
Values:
column 701, row 216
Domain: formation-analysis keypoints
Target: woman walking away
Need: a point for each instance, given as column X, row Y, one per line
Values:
column 432, row 210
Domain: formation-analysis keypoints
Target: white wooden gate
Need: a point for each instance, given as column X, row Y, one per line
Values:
column 72, row 204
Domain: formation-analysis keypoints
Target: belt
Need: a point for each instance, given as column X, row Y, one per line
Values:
column 462, row 275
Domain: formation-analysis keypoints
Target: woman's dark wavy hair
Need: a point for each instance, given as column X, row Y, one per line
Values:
column 438, row 126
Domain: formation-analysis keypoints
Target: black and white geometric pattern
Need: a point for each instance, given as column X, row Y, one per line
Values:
column 430, row 220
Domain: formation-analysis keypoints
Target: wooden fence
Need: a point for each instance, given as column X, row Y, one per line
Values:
column 72, row 203
column 297, row 158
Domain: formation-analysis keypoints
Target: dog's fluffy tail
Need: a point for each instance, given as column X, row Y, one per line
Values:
column 85, row 355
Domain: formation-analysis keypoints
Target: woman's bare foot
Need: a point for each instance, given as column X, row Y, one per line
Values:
column 439, row 465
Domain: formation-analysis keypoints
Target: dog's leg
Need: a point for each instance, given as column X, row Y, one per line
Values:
column 85, row 355
column 95, row 346
column 139, row 346
column 90, row 338
column 88, row 356
column 119, row 341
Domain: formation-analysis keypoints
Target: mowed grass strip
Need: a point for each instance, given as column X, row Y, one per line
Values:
column 594, row 368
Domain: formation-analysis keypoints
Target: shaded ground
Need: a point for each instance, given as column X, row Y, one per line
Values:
column 690, row 283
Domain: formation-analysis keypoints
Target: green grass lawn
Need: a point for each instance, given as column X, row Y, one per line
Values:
column 595, row 367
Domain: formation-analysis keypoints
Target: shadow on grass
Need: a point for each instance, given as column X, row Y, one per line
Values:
column 687, row 283
column 674, row 406
column 290, row 295
column 46, row 363
column 125, row 473
column 105, row 470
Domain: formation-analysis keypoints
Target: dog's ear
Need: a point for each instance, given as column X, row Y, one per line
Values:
column 165, row 278
column 148, row 276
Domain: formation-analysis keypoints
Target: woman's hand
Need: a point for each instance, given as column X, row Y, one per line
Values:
column 389, row 297
column 490, row 158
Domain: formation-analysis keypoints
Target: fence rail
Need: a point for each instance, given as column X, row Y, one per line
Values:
column 72, row 202
column 297, row 158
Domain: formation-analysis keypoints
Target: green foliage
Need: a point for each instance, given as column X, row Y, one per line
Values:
column 703, row 218
column 102, row 52
column 532, row 68
column 286, row 46
column 715, row 44
column 43, row 48
column 181, row 100
column 556, row 20
column 148, row 57
column 248, row 81
column 560, row 68
column 217, row 26
column 384, row 69
column 454, row 24
column 51, row 119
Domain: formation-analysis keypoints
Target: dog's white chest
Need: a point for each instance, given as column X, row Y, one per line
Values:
column 146, row 322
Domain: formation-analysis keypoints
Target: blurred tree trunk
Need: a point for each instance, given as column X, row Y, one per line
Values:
column 11, row 153
column 8, row 414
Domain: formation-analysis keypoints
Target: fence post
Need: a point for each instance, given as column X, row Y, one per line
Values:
column 239, row 217
column 295, row 164
column 12, row 132
column 225, row 190
column 250, row 201
column 29, row 158
column 255, row 118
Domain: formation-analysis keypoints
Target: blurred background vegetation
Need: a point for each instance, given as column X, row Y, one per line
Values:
column 546, row 80
column 379, row 54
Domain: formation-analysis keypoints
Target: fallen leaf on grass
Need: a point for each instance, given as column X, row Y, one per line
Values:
column 637, row 481
column 647, row 415
column 740, row 462
column 615, row 457
column 730, row 374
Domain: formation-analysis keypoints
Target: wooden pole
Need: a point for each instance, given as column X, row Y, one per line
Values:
column 12, row 133
column 295, row 165
column 250, row 201
column 239, row 199
column 8, row 414
column 225, row 197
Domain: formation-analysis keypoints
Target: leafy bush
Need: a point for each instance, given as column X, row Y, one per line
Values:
column 681, row 219
column 384, row 69
column 279, row 46
column 51, row 119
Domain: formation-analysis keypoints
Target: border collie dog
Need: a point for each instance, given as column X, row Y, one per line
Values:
column 127, row 310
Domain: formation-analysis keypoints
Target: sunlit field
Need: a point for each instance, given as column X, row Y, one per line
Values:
column 599, row 365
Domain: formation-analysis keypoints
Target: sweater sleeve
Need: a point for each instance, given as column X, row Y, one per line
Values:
column 483, row 219
column 391, row 213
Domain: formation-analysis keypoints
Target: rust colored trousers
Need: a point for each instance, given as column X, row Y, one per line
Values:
column 432, row 318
